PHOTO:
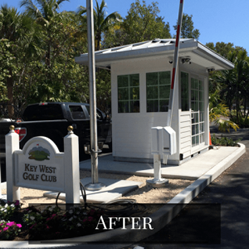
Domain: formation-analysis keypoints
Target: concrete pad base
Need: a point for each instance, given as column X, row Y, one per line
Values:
column 157, row 183
column 114, row 189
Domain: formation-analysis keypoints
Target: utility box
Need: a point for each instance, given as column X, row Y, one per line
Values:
column 163, row 140
column 169, row 141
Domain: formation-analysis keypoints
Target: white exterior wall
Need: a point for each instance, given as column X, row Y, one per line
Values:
column 185, row 121
column 132, row 131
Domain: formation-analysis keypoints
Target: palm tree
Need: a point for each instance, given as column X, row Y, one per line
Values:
column 102, row 22
column 18, row 33
column 45, row 15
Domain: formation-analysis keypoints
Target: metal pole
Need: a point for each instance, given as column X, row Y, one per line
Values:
column 95, row 185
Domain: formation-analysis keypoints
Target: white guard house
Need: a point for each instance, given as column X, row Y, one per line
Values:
column 140, row 84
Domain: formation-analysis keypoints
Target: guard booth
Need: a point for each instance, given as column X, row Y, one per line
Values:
column 140, row 84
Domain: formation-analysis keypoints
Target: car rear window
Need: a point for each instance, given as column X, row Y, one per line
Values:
column 43, row 112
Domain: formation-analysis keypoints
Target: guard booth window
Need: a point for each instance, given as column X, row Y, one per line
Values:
column 184, row 92
column 128, row 93
column 197, row 111
column 158, row 91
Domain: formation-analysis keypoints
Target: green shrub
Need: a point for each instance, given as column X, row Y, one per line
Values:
column 224, row 141
column 241, row 121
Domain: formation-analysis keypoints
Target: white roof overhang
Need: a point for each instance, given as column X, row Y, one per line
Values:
column 199, row 54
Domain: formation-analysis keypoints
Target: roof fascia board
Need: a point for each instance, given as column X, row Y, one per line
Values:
column 210, row 55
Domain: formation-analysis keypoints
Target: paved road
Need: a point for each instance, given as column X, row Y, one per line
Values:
column 231, row 190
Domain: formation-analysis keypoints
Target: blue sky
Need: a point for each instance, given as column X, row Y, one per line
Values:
column 217, row 20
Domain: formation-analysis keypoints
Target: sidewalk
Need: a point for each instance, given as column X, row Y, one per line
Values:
column 189, row 170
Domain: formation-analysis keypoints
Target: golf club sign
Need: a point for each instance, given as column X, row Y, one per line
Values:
column 40, row 165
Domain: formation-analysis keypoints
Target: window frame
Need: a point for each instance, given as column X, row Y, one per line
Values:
column 158, row 85
column 129, row 100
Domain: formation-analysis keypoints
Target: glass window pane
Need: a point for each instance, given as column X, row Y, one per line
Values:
column 193, row 95
column 164, row 92
column 196, row 95
column 192, row 83
column 202, row 127
column 134, row 80
column 202, row 138
column 201, row 105
column 123, row 94
column 193, row 141
column 123, row 106
column 151, row 79
column 184, row 92
column 134, row 106
column 152, row 92
column 128, row 90
column 201, row 116
column 152, row 106
column 185, row 105
column 200, row 85
column 197, row 140
column 164, row 78
column 123, row 81
column 157, row 91
column 196, row 118
column 192, row 105
column 134, row 93
column 77, row 112
column 193, row 129
column 201, row 96
column 163, row 105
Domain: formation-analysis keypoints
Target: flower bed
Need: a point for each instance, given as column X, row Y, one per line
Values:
column 50, row 222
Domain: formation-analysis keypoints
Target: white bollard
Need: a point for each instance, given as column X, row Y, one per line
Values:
column 11, row 145
column 72, row 169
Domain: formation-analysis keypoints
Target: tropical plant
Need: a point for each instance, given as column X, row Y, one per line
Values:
column 18, row 38
column 219, row 114
column 224, row 141
column 102, row 23
column 59, row 77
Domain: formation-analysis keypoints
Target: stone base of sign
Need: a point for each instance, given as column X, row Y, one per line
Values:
column 114, row 189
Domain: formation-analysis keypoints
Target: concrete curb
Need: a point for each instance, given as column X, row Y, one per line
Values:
column 160, row 218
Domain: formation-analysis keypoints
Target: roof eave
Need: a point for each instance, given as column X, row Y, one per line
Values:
column 211, row 55
column 132, row 54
